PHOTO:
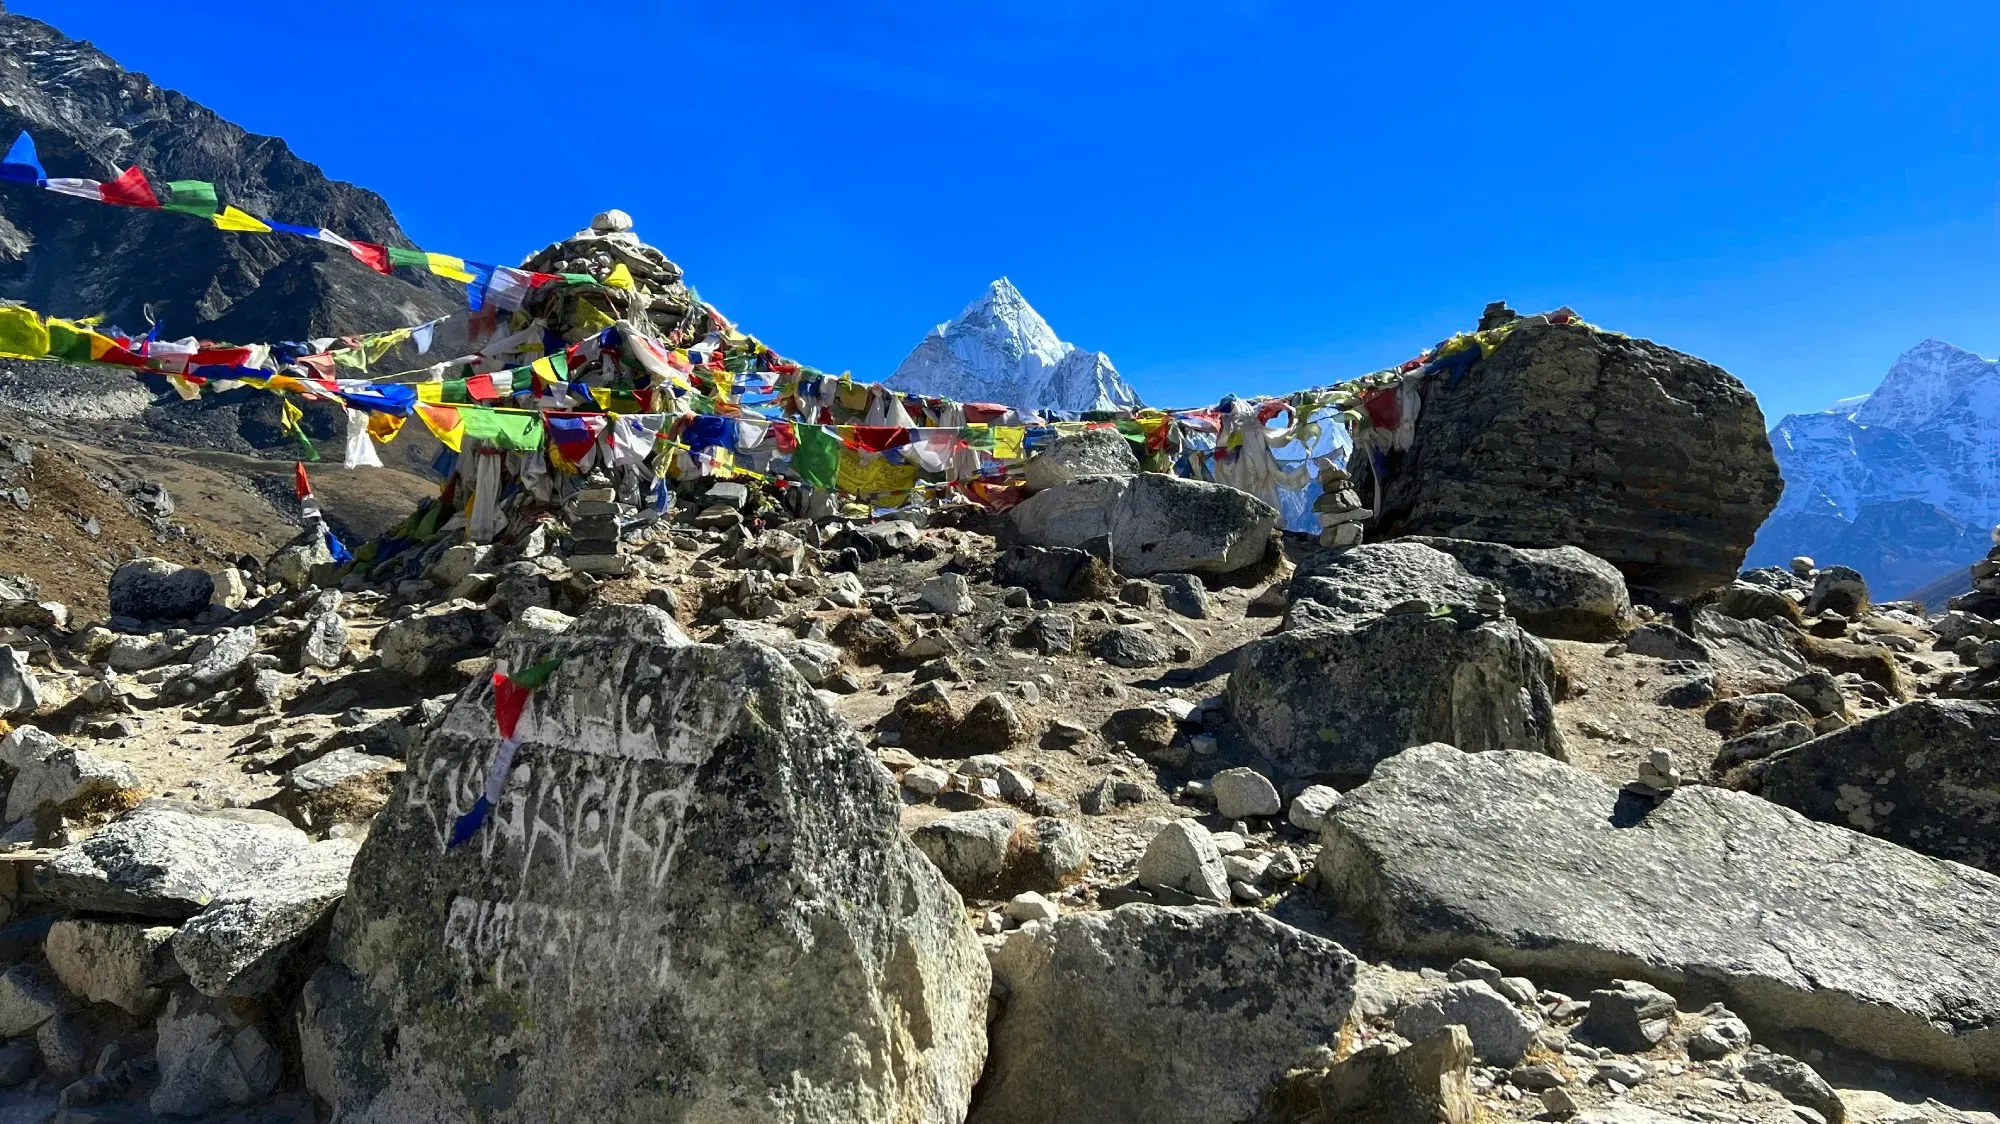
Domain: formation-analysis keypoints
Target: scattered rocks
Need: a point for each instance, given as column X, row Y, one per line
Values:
column 49, row 774
column 344, row 786
column 211, row 1058
column 425, row 644
column 1387, row 1083
column 1561, row 592
column 1630, row 1017
column 236, row 945
column 1795, row 1080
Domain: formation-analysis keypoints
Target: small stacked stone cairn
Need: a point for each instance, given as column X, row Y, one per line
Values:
column 657, row 299
column 1658, row 776
column 1490, row 603
column 596, row 524
column 1339, row 508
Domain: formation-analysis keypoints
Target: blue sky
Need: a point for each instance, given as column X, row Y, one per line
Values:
column 1243, row 196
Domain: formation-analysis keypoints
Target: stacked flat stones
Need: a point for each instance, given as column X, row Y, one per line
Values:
column 1338, row 508
column 657, row 297
column 596, row 523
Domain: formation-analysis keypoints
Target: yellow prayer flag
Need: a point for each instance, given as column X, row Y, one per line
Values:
column 590, row 318
column 444, row 265
column 445, row 424
column 382, row 343
column 873, row 478
column 603, row 396
column 619, row 277
column 22, row 334
column 229, row 218
column 430, row 392
column 384, row 427
column 1007, row 442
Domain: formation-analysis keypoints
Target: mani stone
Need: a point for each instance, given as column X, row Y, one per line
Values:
column 1794, row 924
column 691, row 901
column 1653, row 460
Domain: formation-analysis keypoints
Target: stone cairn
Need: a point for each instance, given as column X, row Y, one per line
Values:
column 657, row 296
column 1339, row 508
column 596, row 527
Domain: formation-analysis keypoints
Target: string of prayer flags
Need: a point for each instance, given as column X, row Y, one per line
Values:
column 446, row 423
column 510, row 700
column 229, row 218
column 22, row 164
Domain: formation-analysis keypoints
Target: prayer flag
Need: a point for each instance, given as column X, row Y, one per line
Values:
column 371, row 254
column 81, row 188
column 360, row 449
column 193, row 197
column 21, row 165
column 445, row 423
column 416, row 259
column 508, row 287
column 130, row 189
column 302, row 485
column 444, row 265
column 229, row 218
column 817, row 459
column 22, row 333
column 619, row 277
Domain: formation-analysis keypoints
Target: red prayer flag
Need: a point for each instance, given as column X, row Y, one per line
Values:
column 509, row 699
column 1384, row 407
column 299, row 480
column 878, row 438
column 371, row 254
column 131, row 189
column 479, row 388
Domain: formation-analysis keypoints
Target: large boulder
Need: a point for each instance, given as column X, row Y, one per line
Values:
column 1094, row 452
column 159, row 860
column 1653, row 460
column 1169, row 1015
column 236, row 945
column 1563, row 592
column 1335, row 701
column 1169, row 525
column 154, row 589
column 1149, row 524
column 1543, row 869
column 424, row 644
column 691, row 902
column 51, row 774
column 1353, row 586
column 1925, row 774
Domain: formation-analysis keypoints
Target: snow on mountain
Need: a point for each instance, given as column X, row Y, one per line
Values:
column 1001, row 350
column 1900, row 484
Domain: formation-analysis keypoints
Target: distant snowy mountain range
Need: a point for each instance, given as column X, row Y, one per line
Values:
column 1001, row 350
column 1902, row 484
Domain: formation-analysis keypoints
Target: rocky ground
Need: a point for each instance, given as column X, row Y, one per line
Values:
column 1191, row 776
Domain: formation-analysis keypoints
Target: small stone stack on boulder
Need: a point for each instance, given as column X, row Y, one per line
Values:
column 1338, row 508
column 596, row 520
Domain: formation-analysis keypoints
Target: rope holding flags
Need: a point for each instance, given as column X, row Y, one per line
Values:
column 510, row 698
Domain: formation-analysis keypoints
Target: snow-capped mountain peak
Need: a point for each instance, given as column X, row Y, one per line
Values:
column 999, row 349
column 1924, row 381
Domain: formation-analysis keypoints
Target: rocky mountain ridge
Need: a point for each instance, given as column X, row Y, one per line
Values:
column 999, row 349
column 1903, row 484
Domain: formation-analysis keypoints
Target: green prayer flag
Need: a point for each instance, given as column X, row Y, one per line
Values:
column 817, row 459
column 66, row 342
column 533, row 677
column 524, row 379
column 516, row 433
column 414, row 258
column 194, row 197
column 579, row 279
column 454, row 392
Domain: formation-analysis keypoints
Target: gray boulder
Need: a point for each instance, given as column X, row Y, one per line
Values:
column 1335, row 701
column 1056, row 573
column 1630, row 1016
column 51, row 774
column 211, row 1058
column 1182, row 857
column 235, row 946
column 1167, row 1015
column 691, row 901
column 20, row 691
column 1094, row 452
column 160, row 861
column 1663, row 641
column 1562, row 592
column 1167, row 524
column 28, row 998
column 292, row 565
column 344, row 786
column 1075, row 515
column 1051, row 634
column 1351, row 587
column 423, row 644
column 1651, row 459
column 1749, row 645
column 218, row 657
column 1243, row 793
column 1129, row 645
column 1838, row 589
column 815, row 660
column 118, row 962
column 970, row 848
column 154, row 589
column 1184, row 594
column 1795, row 924
column 1925, row 774
column 323, row 644
column 1501, row 1032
